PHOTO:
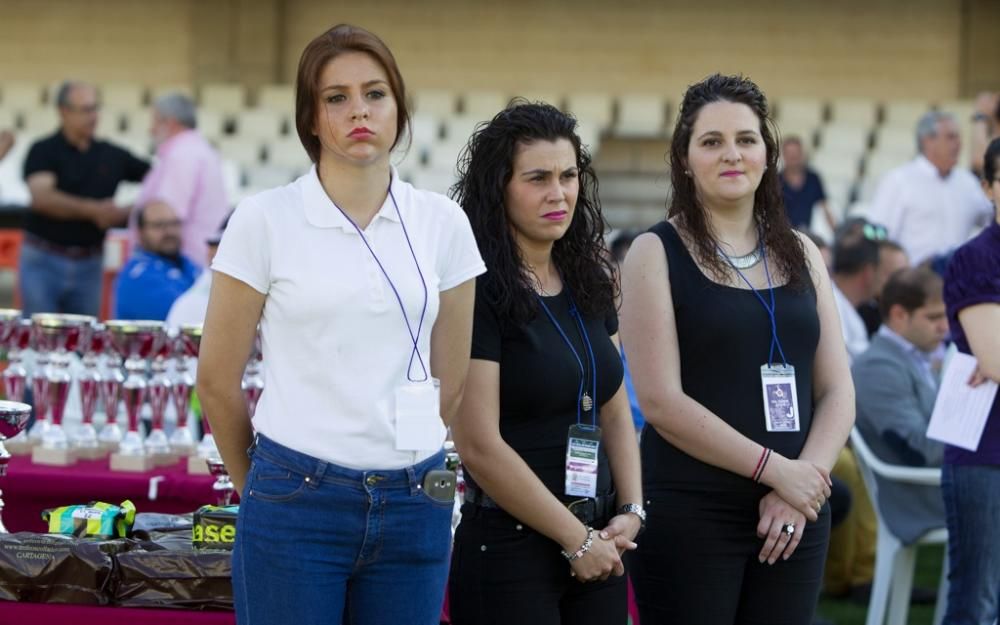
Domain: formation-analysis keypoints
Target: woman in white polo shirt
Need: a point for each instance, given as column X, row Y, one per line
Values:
column 363, row 288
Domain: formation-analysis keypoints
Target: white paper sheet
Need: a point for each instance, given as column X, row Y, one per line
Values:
column 960, row 411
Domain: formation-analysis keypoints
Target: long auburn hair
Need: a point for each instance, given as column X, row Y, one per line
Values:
column 485, row 168
column 769, row 214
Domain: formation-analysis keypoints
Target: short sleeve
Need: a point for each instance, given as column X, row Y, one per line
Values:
column 245, row 250
column 972, row 277
column 486, row 331
column 458, row 256
column 39, row 159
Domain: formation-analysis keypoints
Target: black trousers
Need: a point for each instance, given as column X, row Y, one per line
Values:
column 503, row 572
column 697, row 564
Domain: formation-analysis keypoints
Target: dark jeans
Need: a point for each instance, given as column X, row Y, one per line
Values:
column 316, row 542
column 57, row 284
column 697, row 563
column 503, row 572
column 972, row 510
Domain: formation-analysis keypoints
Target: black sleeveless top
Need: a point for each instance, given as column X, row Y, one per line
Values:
column 724, row 336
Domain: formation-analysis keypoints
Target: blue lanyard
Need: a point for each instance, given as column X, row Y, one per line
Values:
column 413, row 337
column 770, row 309
column 573, row 312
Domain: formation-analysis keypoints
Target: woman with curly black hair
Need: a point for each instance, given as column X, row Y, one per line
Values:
column 545, row 420
column 738, row 362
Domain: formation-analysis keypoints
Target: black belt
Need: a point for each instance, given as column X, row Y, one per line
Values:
column 76, row 252
column 589, row 510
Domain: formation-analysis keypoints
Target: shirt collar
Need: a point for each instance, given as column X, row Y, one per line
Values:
column 164, row 148
column 321, row 212
column 928, row 167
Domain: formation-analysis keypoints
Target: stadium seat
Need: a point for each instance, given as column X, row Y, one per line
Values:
column 799, row 112
column 854, row 111
column 548, row 97
column 904, row 113
column 844, row 138
column 264, row 124
column 246, row 152
column 122, row 96
column 24, row 96
column 483, row 105
column 223, row 97
column 278, row 98
column 434, row 102
column 39, row 121
column 211, row 123
column 640, row 116
column 593, row 110
column 288, row 152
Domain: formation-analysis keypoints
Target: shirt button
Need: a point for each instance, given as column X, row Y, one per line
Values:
column 482, row 548
column 307, row 480
column 519, row 527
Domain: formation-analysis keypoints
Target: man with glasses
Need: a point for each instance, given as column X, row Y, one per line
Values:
column 72, row 178
column 187, row 175
column 157, row 273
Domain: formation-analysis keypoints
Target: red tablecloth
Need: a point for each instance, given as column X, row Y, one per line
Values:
column 30, row 488
column 14, row 613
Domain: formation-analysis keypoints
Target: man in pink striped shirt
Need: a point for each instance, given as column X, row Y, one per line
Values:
column 186, row 176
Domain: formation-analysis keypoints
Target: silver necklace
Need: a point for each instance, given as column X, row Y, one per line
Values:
column 746, row 261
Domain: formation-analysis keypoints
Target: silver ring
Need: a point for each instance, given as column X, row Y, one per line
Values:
column 788, row 528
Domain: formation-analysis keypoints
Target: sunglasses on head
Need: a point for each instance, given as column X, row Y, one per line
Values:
column 875, row 232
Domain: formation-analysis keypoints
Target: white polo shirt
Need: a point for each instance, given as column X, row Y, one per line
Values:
column 928, row 214
column 333, row 335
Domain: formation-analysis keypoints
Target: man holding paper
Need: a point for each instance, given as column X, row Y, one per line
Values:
column 970, row 479
column 895, row 382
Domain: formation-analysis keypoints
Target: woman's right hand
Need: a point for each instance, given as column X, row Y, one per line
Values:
column 802, row 484
column 600, row 562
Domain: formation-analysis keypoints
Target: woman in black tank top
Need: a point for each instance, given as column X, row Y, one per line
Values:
column 733, row 341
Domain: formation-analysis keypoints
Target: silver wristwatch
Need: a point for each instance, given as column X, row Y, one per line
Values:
column 637, row 510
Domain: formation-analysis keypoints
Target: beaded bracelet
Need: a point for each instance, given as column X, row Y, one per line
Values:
column 584, row 548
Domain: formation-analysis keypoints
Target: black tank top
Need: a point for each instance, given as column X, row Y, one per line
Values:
column 724, row 335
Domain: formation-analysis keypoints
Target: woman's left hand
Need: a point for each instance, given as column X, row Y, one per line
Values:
column 775, row 515
column 623, row 529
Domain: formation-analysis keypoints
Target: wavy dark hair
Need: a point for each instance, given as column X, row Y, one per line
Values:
column 485, row 168
column 768, row 207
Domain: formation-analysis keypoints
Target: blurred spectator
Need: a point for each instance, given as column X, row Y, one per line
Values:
column 620, row 245
column 855, row 265
column 985, row 126
column 72, row 178
column 929, row 205
column 895, row 383
column 891, row 258
column 801, row 187
column 6, row 142
column 157, row 273
column 824, row 248
column 187, row 175
column 191, row 306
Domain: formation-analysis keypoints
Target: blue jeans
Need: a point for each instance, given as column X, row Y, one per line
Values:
column 57, row 284
column 320, row 543
column 972, row 508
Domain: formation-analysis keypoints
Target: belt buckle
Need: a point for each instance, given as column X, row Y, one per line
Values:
column 577, row 508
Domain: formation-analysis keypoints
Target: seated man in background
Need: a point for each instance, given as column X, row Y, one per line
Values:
column 891, row 258
column 157, row 273
column 896, row 384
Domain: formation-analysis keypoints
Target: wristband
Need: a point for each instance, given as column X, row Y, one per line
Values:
column 761, row 464
column 584, row 548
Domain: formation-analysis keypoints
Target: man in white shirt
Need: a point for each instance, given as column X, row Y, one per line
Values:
column 929, row 205
column 855, row 269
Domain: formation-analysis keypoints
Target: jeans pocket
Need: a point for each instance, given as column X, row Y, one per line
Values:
column 272, row 483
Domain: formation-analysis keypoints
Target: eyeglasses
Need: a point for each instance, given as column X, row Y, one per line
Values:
column 875, row 232
column 163, row 224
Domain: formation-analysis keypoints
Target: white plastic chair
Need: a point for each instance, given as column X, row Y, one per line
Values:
column 894, row 561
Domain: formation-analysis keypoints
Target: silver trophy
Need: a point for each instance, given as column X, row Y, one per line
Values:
column 84, row 438
column 160, row 388
column 15, row 336
column 110, row 390
column 223, row 486
column 136, row 342
column 58, row 336
column 181, row 441
column 13, row 417
column 192, row 342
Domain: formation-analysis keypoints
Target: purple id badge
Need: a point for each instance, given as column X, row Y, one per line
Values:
column 781, row 403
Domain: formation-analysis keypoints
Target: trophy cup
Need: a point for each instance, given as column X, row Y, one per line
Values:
column 84, row 439
column 136, row 341
column 15, row 335
column 191, row 336
column 58, row 336
column 181, row 441
column 13, row 417
column 253, row 383
column 160, row 389
column 223, row 486
column 110, row 390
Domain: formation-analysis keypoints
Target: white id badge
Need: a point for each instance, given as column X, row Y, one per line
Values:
column 781, row 402
column 581, row 460
column 418, row 416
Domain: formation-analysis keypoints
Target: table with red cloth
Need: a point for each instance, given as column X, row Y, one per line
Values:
column 30, row 488
column 16, row 613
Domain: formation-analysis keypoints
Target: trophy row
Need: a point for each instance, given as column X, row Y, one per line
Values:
column 146, row 348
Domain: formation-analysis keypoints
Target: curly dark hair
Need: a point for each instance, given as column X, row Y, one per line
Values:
column 768, row 207
column 485, row 168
